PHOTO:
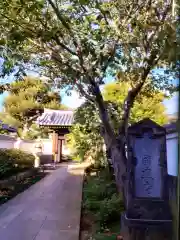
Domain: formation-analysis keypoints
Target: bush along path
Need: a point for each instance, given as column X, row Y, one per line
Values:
column 20, row 185
column 101, row 207
column 13, row 161
column 16, row 173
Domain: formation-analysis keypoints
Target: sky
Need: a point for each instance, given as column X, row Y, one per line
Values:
column 73, row 101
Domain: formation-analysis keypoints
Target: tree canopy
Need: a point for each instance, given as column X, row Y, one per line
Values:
column 145, row 106
column 26, row 100
column 77, row 43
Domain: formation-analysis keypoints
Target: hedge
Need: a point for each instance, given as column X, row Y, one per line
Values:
column 12, row 160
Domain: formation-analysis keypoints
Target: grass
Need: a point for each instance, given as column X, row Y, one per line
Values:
column 114, row 231
column 102, row 206
column 19, row 186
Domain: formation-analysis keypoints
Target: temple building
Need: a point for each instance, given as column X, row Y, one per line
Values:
column 59, row 121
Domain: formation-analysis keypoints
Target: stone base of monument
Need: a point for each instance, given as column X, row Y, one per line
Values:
column 146, row 223
column 145, row 229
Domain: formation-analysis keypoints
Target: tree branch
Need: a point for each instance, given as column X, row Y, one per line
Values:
column 151, row 62
column 81, row 90
column 103, row 112
column 58, row 14
column 79, row 85
column 79, row 54
column 129, row 101
column 111, row 57
column 64, row 23
column 31, row 119
column 151, row 38
column 17, row 23
column 102, row 12
column 64, row 46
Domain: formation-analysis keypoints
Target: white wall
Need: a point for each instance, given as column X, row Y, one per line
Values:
column 29, row 146
column 47, row 146
column 7, row 141
column 172, row 153
column 65, row 150
column 25, row 145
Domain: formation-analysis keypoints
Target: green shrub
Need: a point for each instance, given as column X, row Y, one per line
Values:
column 110, row 210
column 6, row 163
column 21, row 158
column 13, row 159
column 99, row 187
column 100, row 197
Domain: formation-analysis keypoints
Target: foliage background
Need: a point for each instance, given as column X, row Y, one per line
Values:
column 26, row 100
column 85, row 140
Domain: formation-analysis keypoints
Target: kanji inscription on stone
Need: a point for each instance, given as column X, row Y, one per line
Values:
column 147, row 174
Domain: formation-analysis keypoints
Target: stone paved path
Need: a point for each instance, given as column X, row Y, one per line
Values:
column 49, row 210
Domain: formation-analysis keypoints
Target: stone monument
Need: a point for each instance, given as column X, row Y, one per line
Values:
column 146, row 188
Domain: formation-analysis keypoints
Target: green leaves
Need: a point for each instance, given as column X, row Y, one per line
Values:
column 84, row 139
column 76, row 44
column 145, row 106
column 88, row 29
column 26, row 100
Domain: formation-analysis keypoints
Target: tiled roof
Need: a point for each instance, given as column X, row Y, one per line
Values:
column 56, row 118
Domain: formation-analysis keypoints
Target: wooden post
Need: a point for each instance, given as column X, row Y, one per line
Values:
column 60, row 149
column 55, row 145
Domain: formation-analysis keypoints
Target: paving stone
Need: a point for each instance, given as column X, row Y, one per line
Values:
column 64, row 223
column 48, row 210
column 21, row 230
column 57, row 235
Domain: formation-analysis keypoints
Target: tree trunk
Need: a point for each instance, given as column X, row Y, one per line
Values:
column 114, row 145
column 118, row 162
column 115, row 150
column 24, row 131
